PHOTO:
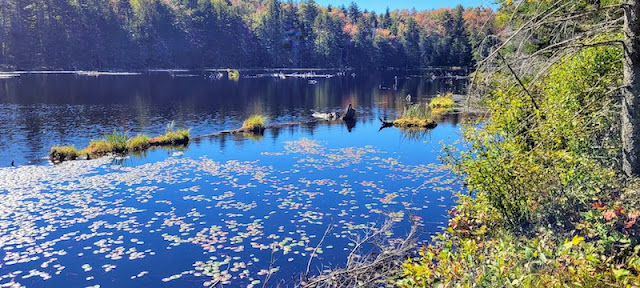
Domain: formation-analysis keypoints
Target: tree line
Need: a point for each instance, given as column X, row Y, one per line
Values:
column 130, row 34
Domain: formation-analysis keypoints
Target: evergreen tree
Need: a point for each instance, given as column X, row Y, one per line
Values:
column 121, row 34
column 411, row 43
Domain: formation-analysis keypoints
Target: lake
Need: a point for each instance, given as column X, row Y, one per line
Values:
column 224, row 209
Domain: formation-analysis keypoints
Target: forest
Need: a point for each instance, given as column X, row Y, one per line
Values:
column 155, row 34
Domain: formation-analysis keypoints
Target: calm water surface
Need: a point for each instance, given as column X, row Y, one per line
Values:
column 218, row 210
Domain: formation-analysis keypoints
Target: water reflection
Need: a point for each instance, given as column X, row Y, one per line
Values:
column 38, row 111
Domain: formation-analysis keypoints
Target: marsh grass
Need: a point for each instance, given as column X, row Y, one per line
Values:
column 120, row 143
column 416, row 111
column 170, row 127
column 442, row 103
column 98, row 148
column 178, row 137
column 138, row 143
column 63, row 153
column 415, row 123
column 234, row 75
column 416, row 116
column 255, row 123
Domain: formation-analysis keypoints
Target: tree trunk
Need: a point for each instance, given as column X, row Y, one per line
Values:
column 631, row 93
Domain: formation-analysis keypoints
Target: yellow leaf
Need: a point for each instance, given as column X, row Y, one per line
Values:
column 577, row 240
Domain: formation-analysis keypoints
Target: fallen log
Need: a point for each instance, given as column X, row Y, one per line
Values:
column 240, row 131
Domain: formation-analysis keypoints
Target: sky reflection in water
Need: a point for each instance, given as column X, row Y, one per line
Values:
column 214, row 211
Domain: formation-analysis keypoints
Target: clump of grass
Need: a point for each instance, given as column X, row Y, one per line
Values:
column 138, row 143
column 63, row 153
column 416, row 116
column 170, row 127
column 118, row 141
column 178, row 137
column 255, row 123
column 442, row 102
column 417, row 111
column 415, row 122
column 121, row 143
column 234, row 75
column 98, row 148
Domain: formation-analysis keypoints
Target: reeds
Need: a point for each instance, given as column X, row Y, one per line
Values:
column 418, row 116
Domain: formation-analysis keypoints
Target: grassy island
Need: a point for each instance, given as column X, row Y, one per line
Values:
column 120, row 144
column 416, row 116
column 442, row 103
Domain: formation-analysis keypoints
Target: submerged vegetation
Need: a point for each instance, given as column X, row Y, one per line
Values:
column 120, row 143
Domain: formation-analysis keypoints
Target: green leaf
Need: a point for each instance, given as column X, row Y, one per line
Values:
column 620, row 274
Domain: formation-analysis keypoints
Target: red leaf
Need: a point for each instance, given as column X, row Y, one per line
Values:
column 629, row 223
column 609, row 215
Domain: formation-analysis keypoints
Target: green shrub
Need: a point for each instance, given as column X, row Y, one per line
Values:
column 545, row 206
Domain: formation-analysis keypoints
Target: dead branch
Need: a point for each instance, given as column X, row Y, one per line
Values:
column 370, row 269
column 313, row 254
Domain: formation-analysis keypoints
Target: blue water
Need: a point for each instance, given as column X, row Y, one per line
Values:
column 220, row 210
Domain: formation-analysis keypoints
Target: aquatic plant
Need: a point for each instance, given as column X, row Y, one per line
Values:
column 178, row 137
column 120, row 143
column 63, row 153
column 170, row 126
column 442, row 103
column 416, row 116
column 138, row 143
column 117, row 140
column 98, row 148
column 415, row 122
column 255, row 123
column 234, row 75
column 416, row 111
